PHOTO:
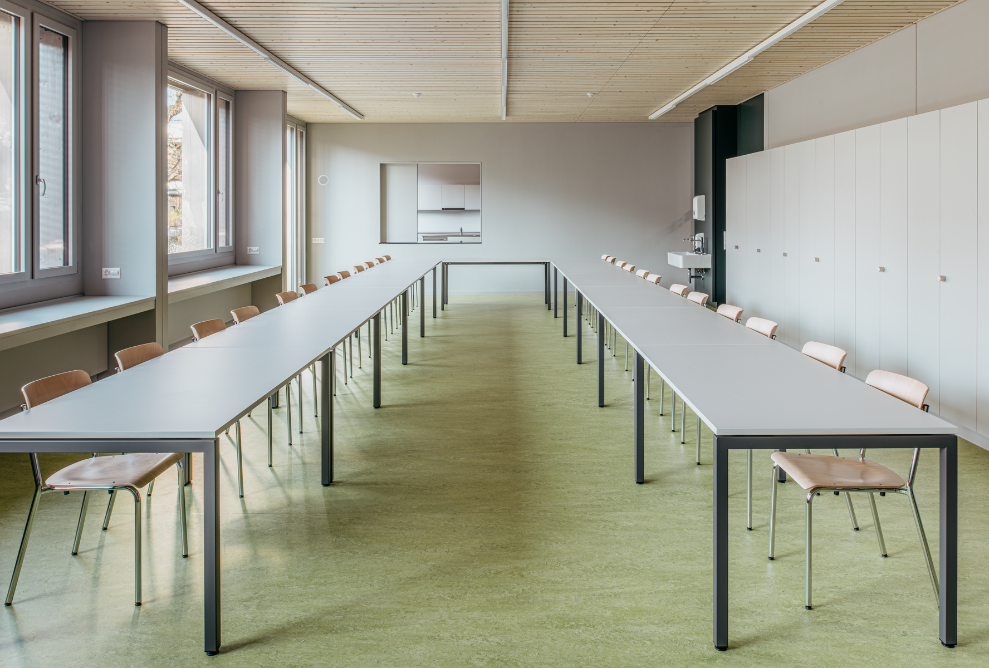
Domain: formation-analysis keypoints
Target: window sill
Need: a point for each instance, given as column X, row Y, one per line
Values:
column 189, row 286
column 27, row 324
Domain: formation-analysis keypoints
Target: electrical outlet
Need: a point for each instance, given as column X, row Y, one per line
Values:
column 111, row 273
column 317, row 240
column 253, row 250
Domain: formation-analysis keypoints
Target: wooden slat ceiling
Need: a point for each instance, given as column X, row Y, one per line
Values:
column 634, row 56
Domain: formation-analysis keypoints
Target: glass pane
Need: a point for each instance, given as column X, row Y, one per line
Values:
column 223, row 175
column 11, row 232
column 290, row 240
column 53, row 148
column 188, row 169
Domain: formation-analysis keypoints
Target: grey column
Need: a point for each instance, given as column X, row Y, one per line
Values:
column 211, row 545
column 405, row 328
column 948, row 544
column 720, row 543
column 327, row 367
column 600, row 360
column 556, row 291
column 580, row 330
column 376, row 346
column 640, row 417
column 422, row 308
column 565, row 293
column 434, row 292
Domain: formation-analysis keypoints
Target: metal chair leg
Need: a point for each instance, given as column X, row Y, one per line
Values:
column 298, row 379
column 879, row 529
column 748, row 490
column 151, row 487
column 182, row 509
column 648, row 375
column 848, row 501
column 344, row 346
column 698, row 440
column 673, row 419
column 315, row 402
column 923, row 542
column 351, row 356
column 109, row 509
column 662, row 392
column 81, row 523
column 809, row 547
column 683, row 416
column 269, row 431
column 25, row 538
column 288, row 405
column 772, row 519
column 240, row 464
column 137, row 545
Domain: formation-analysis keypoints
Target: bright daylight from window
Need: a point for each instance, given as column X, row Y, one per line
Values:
column 10, row 232
column 188, row 169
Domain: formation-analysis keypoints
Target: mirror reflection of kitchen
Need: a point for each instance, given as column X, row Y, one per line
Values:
column 449, row 203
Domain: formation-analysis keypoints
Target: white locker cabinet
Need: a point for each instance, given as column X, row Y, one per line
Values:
column 791, row 197
column 824, row 241
column 893, row 245
column 923, row 251
column 959, row 262
column 429, row 197
column 777, row 242
column 844, row 246
column 757, row 260
column 982, row 395
column 735, row 227
column 452, row 196
column 868, row 286
column 472, row 198
column 809, row 275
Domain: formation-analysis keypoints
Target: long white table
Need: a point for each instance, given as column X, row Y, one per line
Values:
column 215, row 382
column 756, row 393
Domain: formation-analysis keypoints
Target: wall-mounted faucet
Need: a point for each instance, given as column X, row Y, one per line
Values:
column 699, row 243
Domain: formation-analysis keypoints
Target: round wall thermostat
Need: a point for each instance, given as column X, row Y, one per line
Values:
column 323, row 179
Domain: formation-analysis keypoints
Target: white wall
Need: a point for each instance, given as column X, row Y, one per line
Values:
column 937, row 63
column 573, row 189
column 907, row 196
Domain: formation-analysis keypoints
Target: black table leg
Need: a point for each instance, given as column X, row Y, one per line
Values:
column 580, row 330
column 639, row 417
column 211, row 545
column 600, row 360
column 376, row 346
column 556, row 292
column 948, row 545
column 434, row 292
column 565, row 298
column 327, row 368
column 422, row 308
column 546, row 286
column 720, row 544
column 405, row 327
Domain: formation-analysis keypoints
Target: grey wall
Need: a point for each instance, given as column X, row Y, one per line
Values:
column 563, row 189
column 937, row 63
column 259, row 174
column 214, row 305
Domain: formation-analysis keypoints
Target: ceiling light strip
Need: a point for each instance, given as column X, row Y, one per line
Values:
column 504, row 59
column 269, row 57
column 749, row 55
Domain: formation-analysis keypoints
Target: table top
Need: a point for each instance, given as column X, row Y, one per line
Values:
column 739, row 382
column 195, row 392
column 481, row 260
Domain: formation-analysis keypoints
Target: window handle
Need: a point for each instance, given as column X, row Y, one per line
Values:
column 41, row 182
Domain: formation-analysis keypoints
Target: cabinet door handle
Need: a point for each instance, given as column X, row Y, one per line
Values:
column 942, row 279
column 882, row 270
column 41, row 182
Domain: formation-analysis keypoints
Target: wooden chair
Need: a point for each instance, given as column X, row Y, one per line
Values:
column 244, row 313
column 832, row 356
column 343, row 274
column 733, row 313
column 131, row 357
column 698, row 298
column 387, row 257
column 847, row 474
column 307, row 289
column 680, row 290
column 612, row 259
column 111, row 473
column 358, row 268
column 763, row 326
column 654, row 278
column 333, row 278
column 619, row 263
column 379, row 260
column 642, row 273
column 368, row 265
column 605, row 257
column 286, row 297
column 629, row 267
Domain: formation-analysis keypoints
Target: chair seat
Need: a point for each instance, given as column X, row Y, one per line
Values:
column 827, row 471
column 136, row 470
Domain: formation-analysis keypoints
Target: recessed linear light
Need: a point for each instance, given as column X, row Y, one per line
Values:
column 268, row 57
column 749, row 55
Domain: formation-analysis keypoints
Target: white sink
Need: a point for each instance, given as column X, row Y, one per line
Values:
column 687, row 260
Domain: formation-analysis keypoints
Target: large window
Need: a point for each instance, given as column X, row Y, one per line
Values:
column 295, row 204
column 11, row 221
column 200, row 174
column 52, row 131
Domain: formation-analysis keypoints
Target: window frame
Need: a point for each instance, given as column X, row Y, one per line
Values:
column 22, row 163
column 218, row 256
column 296, row 227
column 75, row 247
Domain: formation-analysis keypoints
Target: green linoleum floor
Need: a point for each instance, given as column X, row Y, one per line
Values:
column 487, row 515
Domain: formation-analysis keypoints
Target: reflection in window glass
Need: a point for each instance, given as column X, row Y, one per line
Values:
column 11, row 233
column 188, row 169
column 223, row 174
column 53, row 148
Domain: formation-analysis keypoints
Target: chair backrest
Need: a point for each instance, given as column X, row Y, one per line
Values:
column 903, row 388
column 733, row 313
column 343, row 274
column 244, row 313
column 605, row 256
column 387, row 257
column 131, row 357
column 286, row 297
column 207, row 328
column 379, row 260
column 39, row 391
column 654, row 278
column 833, row 356
column 308, row 288
column 330, row 280
column 368, row 265
column 629, row 267
column 358, row 268
column 763, row 326
column 678, row 289
column 612, row 259
column 619, row 263
column 642, row 273
column 698, row 298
